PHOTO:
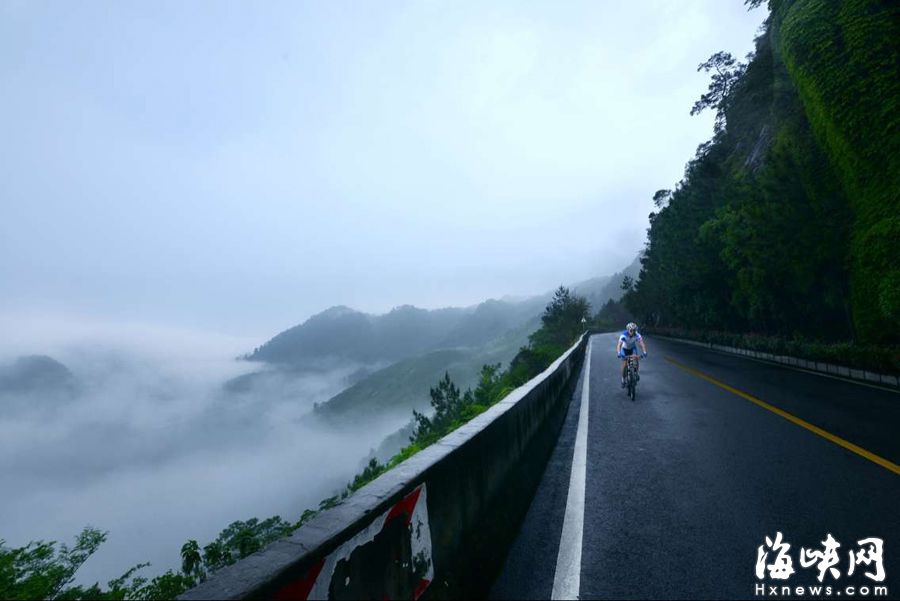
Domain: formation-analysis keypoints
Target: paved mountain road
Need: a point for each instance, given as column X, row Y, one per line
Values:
column 684, row 484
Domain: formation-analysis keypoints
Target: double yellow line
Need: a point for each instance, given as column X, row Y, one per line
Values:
column 889, row 465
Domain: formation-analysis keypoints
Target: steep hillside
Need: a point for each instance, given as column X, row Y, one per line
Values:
column 600, row 290
column 403, row 386
column 844, row 62
column 786, row 222
column 491, row 319
column 392, row 360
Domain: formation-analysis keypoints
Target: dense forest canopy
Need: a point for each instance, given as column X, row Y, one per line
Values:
column 786, row 222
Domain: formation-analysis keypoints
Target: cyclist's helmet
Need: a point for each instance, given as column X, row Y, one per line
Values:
column 631, row 327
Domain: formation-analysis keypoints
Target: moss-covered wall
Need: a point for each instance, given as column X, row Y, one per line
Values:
column 844, row 59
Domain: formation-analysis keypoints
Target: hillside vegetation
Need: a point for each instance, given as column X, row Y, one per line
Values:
column 404, row 385
column 786, row 222
column 457, row 341
column 46, row 570
column 344, row 334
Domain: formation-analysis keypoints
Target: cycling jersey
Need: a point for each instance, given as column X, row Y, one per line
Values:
column 629, row 343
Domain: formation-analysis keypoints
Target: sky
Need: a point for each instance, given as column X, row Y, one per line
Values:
column 236, row 167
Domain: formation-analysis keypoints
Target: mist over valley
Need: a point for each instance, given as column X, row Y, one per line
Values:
column 158, row 436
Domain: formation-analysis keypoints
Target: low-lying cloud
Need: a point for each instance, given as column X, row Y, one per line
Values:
column 165, row 438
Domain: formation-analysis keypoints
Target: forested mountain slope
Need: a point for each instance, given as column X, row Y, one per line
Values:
column 403, row 386
column 786, row 222
column 344, row 334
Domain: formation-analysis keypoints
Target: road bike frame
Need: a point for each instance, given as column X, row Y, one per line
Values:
column 631, row 371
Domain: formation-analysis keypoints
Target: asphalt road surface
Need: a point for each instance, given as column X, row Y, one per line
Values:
column 683, row 485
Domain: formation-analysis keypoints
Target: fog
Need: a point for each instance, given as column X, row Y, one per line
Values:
column 181, row 181
column 151, row 447
column 241, row 166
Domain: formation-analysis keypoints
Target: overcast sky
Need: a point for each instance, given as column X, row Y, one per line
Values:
column 237, row 167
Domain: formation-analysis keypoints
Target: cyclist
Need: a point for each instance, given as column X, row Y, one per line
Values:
column 627, row 346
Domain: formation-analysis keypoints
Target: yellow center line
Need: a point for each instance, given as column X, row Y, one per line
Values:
column 889, row 465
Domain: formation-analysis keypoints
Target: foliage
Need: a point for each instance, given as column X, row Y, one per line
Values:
column 612, row 316
column 564, row 319
column 191, row 559
column 844, row 60
column 240, row 539
column 785, row 223
column 41, row 571
column 879, row 359
column 728, row 73
column 562, row 323
column 372, row 471
column 661, row 198
column 447, row 404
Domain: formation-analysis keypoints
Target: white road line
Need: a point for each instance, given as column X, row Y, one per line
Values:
column 567, row 579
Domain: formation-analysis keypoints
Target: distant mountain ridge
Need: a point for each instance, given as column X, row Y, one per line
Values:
column 38, row 373
column 406, row 331
column 35, row 382
column 344, row 333
column 600, row 290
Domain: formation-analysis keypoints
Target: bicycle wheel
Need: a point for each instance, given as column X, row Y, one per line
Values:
column 632, row 380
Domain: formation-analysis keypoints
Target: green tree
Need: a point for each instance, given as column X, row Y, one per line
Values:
column 784, row 223
column 40, row 570
column 561, row 320
column 613, row 315
column 726, row 74
column 490, row 385
column 372, row 470
column 191, row 559
column 447, row 403
column 661, row 198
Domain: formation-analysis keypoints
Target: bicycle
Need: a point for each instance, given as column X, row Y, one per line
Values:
column 631, row 374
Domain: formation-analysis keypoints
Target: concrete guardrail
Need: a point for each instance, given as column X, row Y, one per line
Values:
column 438, row 525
